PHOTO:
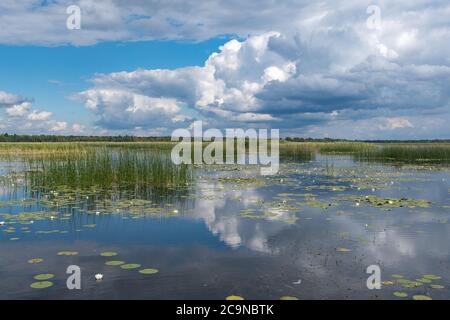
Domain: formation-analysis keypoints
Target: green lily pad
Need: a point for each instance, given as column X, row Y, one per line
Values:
column 149, row 271
column 437, row 286
column 233, row 297
column 41, row 284
column 424, row 280
column 35, row 260
column 130, row 266
column 421, row 297
column 67, row 253
column 108, row 254
column 44, row 276
column 288, row 298
column 114, row 263
column 400, row 294
column 397, row 276
column 432, row 277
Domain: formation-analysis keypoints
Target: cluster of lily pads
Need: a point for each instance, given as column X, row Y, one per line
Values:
column 426, row 282
column 43, row 278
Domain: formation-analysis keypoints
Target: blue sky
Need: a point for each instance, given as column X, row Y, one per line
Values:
column 345, row 69
column 51, row 75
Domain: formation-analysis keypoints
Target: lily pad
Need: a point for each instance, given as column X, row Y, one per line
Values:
column 421, row 297
column 149, row 271
column 41, row 284
column 130, row 266
column 437, row 286
column 44, row 276
column 432, row 277
column 288, row 298
column 35, row 260
column 108, row 254
column 233, row 297
column 114, row 263
column 67, row 253
column 400, row 294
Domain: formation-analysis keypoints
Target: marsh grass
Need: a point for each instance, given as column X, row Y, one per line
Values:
column 108, row 168
column 293, row 151
column 433, row 153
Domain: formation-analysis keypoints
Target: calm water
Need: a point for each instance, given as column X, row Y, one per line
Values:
column 307, row 233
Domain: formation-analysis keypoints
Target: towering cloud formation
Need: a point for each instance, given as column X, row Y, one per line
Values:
column 315, row 68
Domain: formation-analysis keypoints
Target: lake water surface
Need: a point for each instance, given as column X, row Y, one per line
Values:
column 310, row 232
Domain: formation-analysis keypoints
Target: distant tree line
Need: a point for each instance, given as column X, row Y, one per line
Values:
column 5, row 137
column 55, row 138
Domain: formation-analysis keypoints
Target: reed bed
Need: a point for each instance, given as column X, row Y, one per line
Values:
column 109, row 168
column 339, row 147
column 408, row 152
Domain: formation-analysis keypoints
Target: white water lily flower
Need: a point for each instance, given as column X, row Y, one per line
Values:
column 2, row 223
column 99, row 276
column 175, row 211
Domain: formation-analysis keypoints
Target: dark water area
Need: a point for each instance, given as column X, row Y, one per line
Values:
column 309, row 232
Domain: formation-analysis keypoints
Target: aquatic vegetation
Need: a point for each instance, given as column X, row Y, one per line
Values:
column 130, row 266
column 432, row 277
column 35, row 260
column 149, row 271
column 234, row 297
column 114, row 263
column 44, row 276
column 421, row 297
column 387, row 202
column 437, row 286
column 423, row 153
column 98, row 277
column 67, row 253
column 108, row 254
column 342, row 249
column 41, row 284
column 288, row 298
column 109, row 169
column 400, row 294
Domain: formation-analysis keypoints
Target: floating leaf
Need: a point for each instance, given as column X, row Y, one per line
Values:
column 397, row 276
column 437, row 286
column 421, row 297
column 400, row 294
column 35, row 260
column 288, row 298
column 130, row 266
column 44, row 276
column 67, row 253
column 424, row 280
column 108, row 254
column 233, row 297
column 149, row 271
column 114, row 263
column 41, row 284
column 432, row 277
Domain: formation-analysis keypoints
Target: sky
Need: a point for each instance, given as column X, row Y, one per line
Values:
column 342, row 69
